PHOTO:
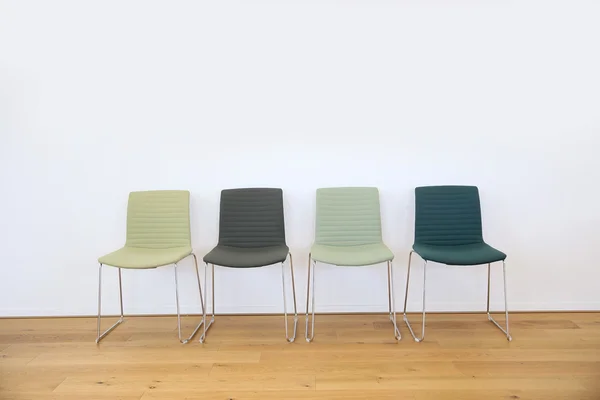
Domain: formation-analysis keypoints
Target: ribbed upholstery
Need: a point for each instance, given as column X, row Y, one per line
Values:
column 251, row 229
column 348, row 227
column 348, row 216
column 158, row 230
column 447, row 215
column 448, row 226
column 251, row 218
column 158, row 219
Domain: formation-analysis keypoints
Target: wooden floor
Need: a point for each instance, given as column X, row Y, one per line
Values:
column 552, row 356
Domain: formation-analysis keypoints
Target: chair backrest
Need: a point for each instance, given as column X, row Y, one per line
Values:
column 447, row 215
column 348, row 216
column 251, row 217
column 159, row 219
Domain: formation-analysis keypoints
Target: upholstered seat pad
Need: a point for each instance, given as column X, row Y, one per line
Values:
column 141, row 257
column 246, row 257
column 353, row 256
column 467, row 254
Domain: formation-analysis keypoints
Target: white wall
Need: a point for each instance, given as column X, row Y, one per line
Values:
column 101, row 98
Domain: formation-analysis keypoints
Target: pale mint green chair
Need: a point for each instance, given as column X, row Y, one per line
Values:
column 348, row 233
column 158, row 234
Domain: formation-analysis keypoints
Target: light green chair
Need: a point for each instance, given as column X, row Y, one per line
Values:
column 158, row 234
column 348, row 233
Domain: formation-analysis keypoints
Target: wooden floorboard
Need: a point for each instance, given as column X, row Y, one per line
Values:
column 552, row 356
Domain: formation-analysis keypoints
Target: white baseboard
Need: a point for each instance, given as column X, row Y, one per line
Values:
column 325, row 308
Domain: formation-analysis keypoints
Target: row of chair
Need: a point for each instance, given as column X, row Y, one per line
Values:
column 448, row 230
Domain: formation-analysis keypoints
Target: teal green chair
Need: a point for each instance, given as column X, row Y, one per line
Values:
column 348, row 233
column 158, row 234
column 448, row 230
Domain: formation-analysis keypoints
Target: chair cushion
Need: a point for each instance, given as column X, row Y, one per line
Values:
column 246, row 257
column 141, row 257
column 359, row 255
column 469, row 254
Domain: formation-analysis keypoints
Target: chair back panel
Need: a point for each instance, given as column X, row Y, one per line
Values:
column 158, row 219
column 252, row 217
column 447, row 215
column 348, row 216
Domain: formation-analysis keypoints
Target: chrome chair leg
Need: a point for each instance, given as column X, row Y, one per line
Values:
column 406, row 299
column 309, row 300
column 285, row 315
column 205, row 303
column 100, row 336
column 490, row 318
column 182, row 340
column 391, row 300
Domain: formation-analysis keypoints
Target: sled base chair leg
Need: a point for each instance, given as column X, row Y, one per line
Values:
column 310, row 301
column 100, row 336
column 212, row 316
column 289, row 338
column 489, row 315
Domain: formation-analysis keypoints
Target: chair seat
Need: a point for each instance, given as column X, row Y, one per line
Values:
column 469, row 254
column 353, row 256
column 246, row 257
column 142, row 257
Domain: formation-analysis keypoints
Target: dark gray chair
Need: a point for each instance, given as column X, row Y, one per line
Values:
column 251, row 234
